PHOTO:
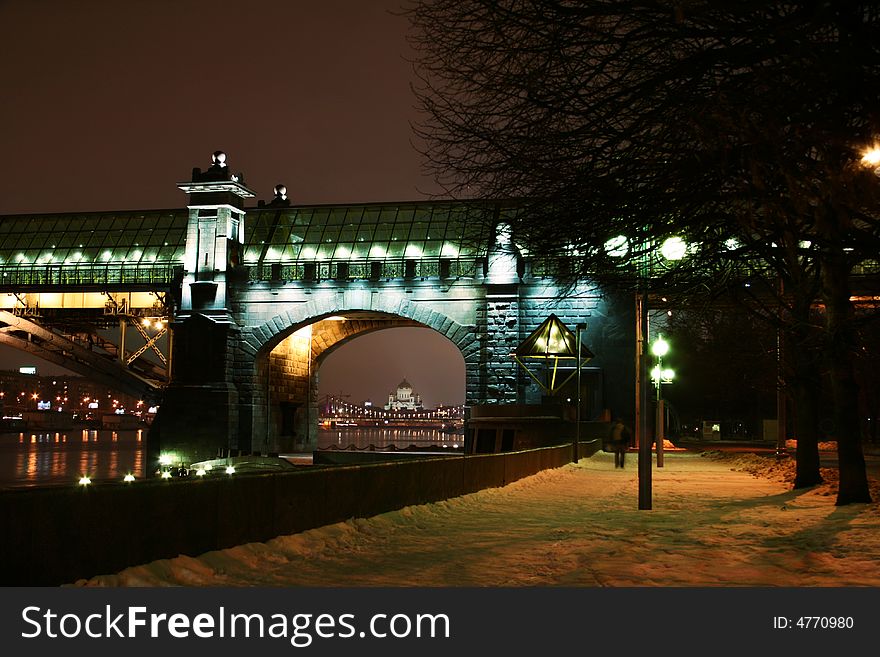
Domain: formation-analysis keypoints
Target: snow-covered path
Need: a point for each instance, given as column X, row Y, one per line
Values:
column 713, row 524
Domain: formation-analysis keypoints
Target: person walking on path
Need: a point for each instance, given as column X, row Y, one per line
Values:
column 620, row 437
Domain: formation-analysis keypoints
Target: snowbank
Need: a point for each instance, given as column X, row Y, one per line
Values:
column 717, row 520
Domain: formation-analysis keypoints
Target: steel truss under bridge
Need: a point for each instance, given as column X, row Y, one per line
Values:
column 91, row 355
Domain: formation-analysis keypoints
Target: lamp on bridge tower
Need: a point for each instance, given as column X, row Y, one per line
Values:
column 214, row 236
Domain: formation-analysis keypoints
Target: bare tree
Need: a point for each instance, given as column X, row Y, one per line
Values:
column 735, row 125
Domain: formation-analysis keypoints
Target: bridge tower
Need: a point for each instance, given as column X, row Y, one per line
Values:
column 214, row 237
column 200, row 404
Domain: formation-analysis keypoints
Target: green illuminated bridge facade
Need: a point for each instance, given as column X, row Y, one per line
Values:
column 224, row 314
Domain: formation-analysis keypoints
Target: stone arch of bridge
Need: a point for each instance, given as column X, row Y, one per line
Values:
column 358, row 330
column 280, row 396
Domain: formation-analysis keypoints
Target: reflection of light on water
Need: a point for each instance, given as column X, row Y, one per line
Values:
column 140, row 434
column 381, row 437
column 59, row 464
column 49, row 458
column 115, row 437
column 138, row 462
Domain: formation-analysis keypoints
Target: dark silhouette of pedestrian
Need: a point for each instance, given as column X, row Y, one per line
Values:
column 619, row 438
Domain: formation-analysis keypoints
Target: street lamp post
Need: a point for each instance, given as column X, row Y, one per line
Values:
column 672, row 249
column 644, row 461
column 660, row 375
column 577, row 431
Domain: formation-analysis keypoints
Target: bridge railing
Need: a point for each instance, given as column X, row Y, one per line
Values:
column 347, row 270
column 79, row 275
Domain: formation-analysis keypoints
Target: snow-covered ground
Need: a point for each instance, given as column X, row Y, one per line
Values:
column 717, row 520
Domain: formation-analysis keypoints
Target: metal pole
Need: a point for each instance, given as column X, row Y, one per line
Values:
column 577, row 431
column 659, row 421
column 122, row 329
column 781, row 417
column 641, row 399
column 308, row 440
column 170, row 348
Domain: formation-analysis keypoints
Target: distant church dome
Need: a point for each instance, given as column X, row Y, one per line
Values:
column 404, row 399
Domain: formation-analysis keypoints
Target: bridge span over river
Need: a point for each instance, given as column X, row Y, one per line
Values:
column 223, row 314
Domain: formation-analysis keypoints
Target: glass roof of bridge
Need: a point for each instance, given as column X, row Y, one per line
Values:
column 142, row 237
column 366, row 232
column 285, row 234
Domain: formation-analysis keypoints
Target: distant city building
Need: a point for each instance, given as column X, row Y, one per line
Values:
column 404, row 400
column 60, row 392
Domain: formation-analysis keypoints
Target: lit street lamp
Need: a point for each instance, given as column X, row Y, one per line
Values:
column 660, row 376
column 871, row 158
column 672, row 249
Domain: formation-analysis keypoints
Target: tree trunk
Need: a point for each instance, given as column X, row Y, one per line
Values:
column 844, row 389
column 801, row 351
column 805, row 392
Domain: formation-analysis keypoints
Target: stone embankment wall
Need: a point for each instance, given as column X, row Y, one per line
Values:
column 57, row 535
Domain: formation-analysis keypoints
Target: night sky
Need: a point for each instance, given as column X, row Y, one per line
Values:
column 107, row 105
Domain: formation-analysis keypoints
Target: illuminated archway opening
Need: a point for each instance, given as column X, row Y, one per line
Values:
column 361, row 357
column 397, row 388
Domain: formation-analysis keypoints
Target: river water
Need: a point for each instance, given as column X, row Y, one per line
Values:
column 53, row 458
column 38, row 458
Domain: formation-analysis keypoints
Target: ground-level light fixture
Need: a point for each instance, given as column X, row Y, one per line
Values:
column 84, row 481
column 230, row 470
column 128, row 478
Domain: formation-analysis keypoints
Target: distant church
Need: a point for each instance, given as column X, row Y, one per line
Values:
column 404, row 400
